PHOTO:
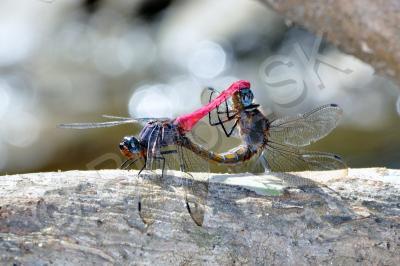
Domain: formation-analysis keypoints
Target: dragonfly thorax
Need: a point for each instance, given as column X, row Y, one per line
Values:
column 253, row 127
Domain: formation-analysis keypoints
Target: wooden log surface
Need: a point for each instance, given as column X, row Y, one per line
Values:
column 90, row 217
column 367, row 29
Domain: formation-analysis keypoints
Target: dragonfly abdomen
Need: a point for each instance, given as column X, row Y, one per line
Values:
column 236, row 155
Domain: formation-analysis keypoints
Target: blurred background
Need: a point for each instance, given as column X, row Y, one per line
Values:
column 74, row 60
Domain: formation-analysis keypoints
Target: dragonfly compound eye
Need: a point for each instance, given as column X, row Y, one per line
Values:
column 130, row 146
column 247, row 97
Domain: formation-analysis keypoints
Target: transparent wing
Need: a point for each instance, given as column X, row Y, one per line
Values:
column 284, row 158
column 196, row 190
column 151, row 187
column 156, row 184
column 223, row 116
column 97, row 125
column 195, row 174
column 142, row 119
column 116, row 117
column 306, row 128
column 118, row 121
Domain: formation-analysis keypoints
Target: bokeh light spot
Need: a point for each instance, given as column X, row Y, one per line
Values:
column 17, row 41
column 4, row 98
column 208, row 60
column 150, row 101
column 22, row 129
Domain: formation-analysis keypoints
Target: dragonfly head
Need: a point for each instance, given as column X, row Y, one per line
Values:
column 130, row 147
column 246, row 97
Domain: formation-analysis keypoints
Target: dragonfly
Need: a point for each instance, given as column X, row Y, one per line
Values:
column 277, row 143
column 164, row 144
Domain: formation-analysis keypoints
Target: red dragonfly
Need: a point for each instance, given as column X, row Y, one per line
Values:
column 164, row 144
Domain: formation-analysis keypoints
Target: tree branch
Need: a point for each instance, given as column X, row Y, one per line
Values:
column 91, row 217
column 368, row 29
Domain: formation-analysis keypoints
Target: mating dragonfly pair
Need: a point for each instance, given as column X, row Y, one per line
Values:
column 164, row 144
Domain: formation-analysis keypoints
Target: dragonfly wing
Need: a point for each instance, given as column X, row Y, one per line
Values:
column 97, row 125
column 150, row 187
column 196, row 191
column 174, row 157
column 118, row 121
column 141, row 120
column 155, row 184
column 307, row 128
column 116, row 117
column 284, row 158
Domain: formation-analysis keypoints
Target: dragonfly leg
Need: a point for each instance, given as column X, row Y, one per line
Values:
column 124, row 163
column 127, row 166
column 220, row 121
column 162, row 159
column 141, row 169
column 227, row 111
column 232, row 129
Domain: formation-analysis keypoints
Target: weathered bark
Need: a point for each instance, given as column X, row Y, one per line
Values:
column 368, row 29
column 302, row 218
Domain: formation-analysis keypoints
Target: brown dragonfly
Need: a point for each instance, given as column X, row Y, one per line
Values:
column 276, row 142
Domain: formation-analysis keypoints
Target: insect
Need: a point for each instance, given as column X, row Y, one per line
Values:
column 277, row 142
column 163, row 145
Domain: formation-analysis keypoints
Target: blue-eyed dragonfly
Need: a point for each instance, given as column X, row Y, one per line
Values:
column 164, row 144
column 276, row 142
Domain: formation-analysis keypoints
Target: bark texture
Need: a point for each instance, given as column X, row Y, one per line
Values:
column 368, row 29
column 90, row 217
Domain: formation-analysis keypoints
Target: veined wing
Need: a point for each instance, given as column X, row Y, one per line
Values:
column 120, row 121
column 285, row 158
column 307, row 128
column 161, row 159
column 117, row 117
column 97, row 125
column 151, row 187
column 178, row 157
column 190, row 164
column 196, row 191
column 143, row 119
